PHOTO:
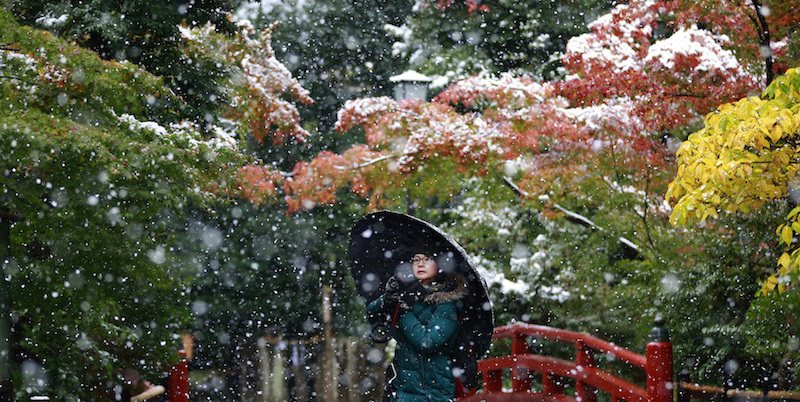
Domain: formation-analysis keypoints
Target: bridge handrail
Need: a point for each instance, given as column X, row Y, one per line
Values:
column 562, row 335
column 618, row 388
column 657, row 363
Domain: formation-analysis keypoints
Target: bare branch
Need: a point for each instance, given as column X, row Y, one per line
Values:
column 518, row 191
column 764, row 36
column 680, row 95
column 366, row 163
column 11, row 77
column 573, row 217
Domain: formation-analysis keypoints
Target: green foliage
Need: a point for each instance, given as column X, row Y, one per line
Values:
column 89, row 253
column 705, row 295
column 453, row 38
column 583, row 278
column 99, row 195
column 768, row 316
column 144, row 33
column 48, row 74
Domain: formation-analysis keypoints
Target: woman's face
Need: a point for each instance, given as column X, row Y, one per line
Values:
column 425, row 268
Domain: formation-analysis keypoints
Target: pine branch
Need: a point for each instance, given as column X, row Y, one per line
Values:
column 6, row 47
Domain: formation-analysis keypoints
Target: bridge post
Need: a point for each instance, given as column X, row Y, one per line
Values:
column 584, row 359
column 493, row 381
column 179, row 380
column 552, row 385
column 660, row 383
column 521, row 378
column 6, row 380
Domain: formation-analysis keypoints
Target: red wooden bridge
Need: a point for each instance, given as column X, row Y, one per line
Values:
column 587, row 377
column 581, row 377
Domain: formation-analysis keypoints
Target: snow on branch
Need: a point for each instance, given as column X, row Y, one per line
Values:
column 572, row 216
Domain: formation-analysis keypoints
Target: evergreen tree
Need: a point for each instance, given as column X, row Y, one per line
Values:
column 145, row 33
column 458, row 38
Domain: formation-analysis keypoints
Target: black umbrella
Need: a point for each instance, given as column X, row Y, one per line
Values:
column 383, row 243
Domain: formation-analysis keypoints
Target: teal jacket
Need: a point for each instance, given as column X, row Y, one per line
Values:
column 425, row 336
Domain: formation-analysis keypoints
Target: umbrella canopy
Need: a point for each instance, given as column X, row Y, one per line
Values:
column 382, row 245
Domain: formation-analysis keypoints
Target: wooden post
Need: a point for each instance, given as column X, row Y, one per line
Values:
column 660, row 385
column 6, row 383
column 264, row 368
column 278, row 373
column 552, row 385
column 179, row 380
column 584, row 359
column 493, row 381
column 329, row 383
column 353, row 349
column 520, row 378
column 187, row 340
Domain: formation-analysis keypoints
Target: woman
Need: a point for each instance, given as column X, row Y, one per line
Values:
column 426, row 327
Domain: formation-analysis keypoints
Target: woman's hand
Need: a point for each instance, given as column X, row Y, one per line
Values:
column 396, row 293
column 392, row 290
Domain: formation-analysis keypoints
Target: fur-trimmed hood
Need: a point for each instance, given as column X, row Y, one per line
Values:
column 447, row 288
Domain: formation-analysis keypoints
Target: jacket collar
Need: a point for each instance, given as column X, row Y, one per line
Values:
column 450, row 288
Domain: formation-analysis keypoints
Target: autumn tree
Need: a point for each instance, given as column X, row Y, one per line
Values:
column 743, row 158
column 619, row 104
column 339, row 50
column 594, row 148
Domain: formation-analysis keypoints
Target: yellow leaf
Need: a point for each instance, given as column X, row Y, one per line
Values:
column 786, row 235
column 769, row 285
column 784, row 260
column 776, row 134
column 761, row 141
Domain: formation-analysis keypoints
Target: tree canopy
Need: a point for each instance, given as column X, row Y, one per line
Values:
column 144, row 196
column 744, row 157
column 145, row 33
column 594, row 147
column 103, row 171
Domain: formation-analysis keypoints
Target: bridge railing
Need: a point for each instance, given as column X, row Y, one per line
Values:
column 588, row 377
